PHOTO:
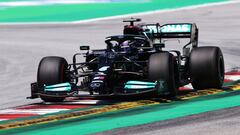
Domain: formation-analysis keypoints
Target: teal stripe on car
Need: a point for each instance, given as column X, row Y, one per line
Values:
column 140, row 83
column 139, row 86
column 58, row 87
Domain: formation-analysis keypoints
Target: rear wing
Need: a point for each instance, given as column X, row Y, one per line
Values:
column 174, row 30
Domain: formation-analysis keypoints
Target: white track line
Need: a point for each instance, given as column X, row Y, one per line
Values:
column 3, row 119
column 49, row 2
column 232, row 77
column 77, row 102
column 31, row 111
column 129, row 15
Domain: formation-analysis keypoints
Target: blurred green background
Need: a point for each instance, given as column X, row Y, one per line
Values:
column 83, row 11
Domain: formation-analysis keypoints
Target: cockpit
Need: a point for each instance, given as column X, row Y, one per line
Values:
column 125, row 42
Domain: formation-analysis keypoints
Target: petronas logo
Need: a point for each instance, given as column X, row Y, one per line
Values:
column 176, row 28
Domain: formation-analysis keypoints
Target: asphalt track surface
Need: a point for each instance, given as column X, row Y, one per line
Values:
column 22, row 47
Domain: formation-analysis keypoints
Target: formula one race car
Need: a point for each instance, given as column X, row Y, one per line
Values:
column 133, row 64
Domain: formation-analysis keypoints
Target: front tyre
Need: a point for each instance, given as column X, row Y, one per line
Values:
column 161, row 68
column 206, row 67
column 52, row 70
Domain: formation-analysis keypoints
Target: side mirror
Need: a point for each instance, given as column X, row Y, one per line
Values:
column 84, row 48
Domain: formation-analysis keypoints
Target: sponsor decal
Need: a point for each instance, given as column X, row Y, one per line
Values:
column 100, row 73
column 104, row 68
column 97, row 81
column 176, row 28
column 99, row 78
column 153, row 29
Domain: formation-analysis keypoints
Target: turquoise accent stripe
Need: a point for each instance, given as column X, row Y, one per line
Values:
column 58, row 87
column 138, row 87
column 140, row 83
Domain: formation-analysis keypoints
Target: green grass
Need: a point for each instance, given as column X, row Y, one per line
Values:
column 74, row 12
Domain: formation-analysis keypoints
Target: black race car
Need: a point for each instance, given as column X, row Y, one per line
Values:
column 133, row 65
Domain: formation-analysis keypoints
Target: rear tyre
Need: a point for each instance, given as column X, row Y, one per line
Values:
column 161, row 68
column 52, row 70
column 206, row 67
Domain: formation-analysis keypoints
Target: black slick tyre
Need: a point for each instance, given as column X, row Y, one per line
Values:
column 206, row 67
column 52, row 70
column 161, row 68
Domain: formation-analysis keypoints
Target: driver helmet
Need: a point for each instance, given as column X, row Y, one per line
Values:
column 125, row 45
